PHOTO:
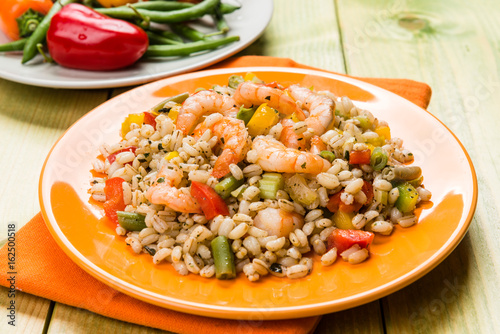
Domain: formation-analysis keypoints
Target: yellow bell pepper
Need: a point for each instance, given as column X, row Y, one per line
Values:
column 171, row 155
column 131, row 119
column 174, row 112
column 384, row 131
column 343, row 220
column 115, row 3
column 249, row 76
column 263, row 119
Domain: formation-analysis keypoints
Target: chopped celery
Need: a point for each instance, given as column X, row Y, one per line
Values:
column 270, row 184
column 364, row 122
column 177, row 99
column 408, row 198
column 417, row 182
column 343, row 220
column 131, row 221
column 380, row 196
column 245, row 114
column 236, row 193
column 227, row 185
column 235, row 80
column 298, row 190
column 330, row 156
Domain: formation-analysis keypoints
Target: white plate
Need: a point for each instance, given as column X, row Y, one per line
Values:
column 248, row 22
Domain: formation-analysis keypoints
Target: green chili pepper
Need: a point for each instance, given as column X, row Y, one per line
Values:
column 30, row 48
column 188, row 48
column 223, row 258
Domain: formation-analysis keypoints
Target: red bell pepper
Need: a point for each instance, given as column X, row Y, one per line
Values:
column 112, row 157
column 345, row 239
column 335, row 204
column 114, row 198
column 81, row 38
column 150, row 119
column 360, row 157
column 211, row 203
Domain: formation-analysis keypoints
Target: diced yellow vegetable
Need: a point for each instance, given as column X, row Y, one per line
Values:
column 174, row 112
column 294, row 117
column 249, row 76
column 370, row 147
column 171, row 155
column 131, row 119
column 262, row 120
column 384, row 131
column 343, row 220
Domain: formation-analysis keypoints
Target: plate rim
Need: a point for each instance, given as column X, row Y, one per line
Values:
column 227, row 312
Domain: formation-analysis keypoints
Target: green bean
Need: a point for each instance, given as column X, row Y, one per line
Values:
column 220, row 22
column 161, row 5
column 131, row 221
column 177, row 99
column 188, row 32
column 223, row 258
column 330, row 156
column 188, row 48
column 407, row 172
column 155, row 38
column 270, row 184
column 378, row 159
column 227, row 185
column 226, row 8
column 13, row 46
column 30, row 48
column 245, row 114
column 173, row 16
column 408, row 198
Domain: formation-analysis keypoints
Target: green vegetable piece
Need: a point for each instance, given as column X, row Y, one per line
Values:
column 227, row 8
column 364, row 122
column 378, row 159
column 407, row 199
column 155, row 38
column 223, row 258
column 417, row 182
column 227, row 185
column 188, row 32
column 177, row 99
column 270, row 184
column 13, row 46
column 330, row 156
column 239, row 191
column 188, row 48
column 235, row 80
column 131, row 221
column 160, row 5
column 28, row 22
column 298, row 190
column 245, row 114
column 30, row 48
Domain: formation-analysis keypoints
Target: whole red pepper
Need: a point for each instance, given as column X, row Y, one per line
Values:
column 81, row 38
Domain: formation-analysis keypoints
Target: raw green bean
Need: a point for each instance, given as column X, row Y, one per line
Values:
column 226, row 8
column 167, row 34
column 270, row 184
column 173, row 16
column 330, row 156
column 223, row 258
column 161, row 40
column 30, row 48
column 220, row 22
column 188, row 48
column 378, row 159
column 160, row 5
column 13, row 46
column 408, row 198
column 131, row 221
column 188, row 32
column 177, row 99
column 227, row 185
column 245, row 114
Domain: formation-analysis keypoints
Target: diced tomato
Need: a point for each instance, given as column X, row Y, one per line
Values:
column 114, row 198
column 273, row 84
column 112, row 157
column 150, row 119
column 211, row 203
column 345, row 239
column 335, row 204
column 360, row 157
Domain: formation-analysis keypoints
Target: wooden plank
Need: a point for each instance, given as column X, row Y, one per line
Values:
column 305, row 31
column 67, row 319
column 451, row 45
column 31, row 121
column 30, row 313
column 363, row 319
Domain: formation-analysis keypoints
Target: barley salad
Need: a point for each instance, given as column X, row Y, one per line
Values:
column 257, row 178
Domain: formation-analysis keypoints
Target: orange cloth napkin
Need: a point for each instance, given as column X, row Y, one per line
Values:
column 43, row 269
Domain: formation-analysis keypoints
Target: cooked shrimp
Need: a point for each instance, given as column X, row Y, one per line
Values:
column 321, row 108
column 288, row 136
column 252, row 94
column 164, row 191
column 233, row 135
column 202, row 103
column 278, row 222
column 273, row 156
column 317, row 145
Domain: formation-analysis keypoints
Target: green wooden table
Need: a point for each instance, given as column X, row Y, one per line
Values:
column 453, row 45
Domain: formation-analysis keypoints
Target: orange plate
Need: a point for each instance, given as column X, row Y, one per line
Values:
column 396, row 261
